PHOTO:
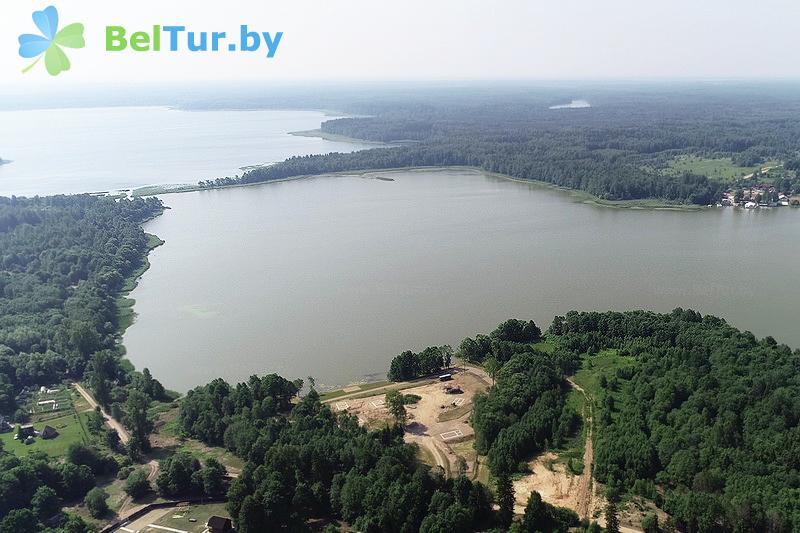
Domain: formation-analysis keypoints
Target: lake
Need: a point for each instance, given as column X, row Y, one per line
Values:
column 101, row 149
column 333, row 276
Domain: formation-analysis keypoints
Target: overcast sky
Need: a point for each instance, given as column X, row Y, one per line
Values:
column 341, row 40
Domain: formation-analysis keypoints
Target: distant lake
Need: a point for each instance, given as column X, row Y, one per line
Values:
column 332, row 276
column 100, row 149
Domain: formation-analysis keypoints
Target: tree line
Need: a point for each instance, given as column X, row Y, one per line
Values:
column 619, row 149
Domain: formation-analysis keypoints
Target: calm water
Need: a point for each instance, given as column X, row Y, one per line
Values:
column 100, row 149
column 333, row 276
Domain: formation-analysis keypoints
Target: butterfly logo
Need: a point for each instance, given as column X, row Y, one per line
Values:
column 50, row 42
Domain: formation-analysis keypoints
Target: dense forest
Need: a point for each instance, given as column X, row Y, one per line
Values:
column 697, row 416
column 63, row 262
column 618, row 149
column 703, row 411
column 304, row 462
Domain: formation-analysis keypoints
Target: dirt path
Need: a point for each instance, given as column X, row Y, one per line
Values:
column 585, row 489
column 477, row 371
column 124, row 437
column 552, row 480
column 152, row 474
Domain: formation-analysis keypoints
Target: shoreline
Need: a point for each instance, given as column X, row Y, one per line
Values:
column 579, row 196
column 124, row 303
column 319, row 134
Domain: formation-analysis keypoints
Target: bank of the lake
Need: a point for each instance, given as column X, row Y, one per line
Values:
column 332, row 276
column 576, row 195
column 125, row 311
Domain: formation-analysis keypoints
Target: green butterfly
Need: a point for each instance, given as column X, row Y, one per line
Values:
column 50, row 42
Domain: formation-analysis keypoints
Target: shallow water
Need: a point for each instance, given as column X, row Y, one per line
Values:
column 101, row 149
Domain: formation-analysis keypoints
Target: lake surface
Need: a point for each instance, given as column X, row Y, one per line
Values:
column 333, row 276
column 101, row 149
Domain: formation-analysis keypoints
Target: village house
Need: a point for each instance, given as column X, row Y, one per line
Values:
column 49, row 432
column 219, row 524
column 26, row 431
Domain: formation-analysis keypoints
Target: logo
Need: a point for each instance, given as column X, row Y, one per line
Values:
column 50, row 42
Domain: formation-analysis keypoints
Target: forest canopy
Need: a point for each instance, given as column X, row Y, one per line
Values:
column 620, row 148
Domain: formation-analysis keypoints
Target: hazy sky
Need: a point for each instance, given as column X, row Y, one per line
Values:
column 430, row 39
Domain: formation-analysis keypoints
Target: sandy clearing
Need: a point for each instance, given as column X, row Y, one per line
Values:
column 424, row 426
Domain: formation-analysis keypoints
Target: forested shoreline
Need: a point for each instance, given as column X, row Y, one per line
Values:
column 618, row 149
column 63, row 262
column 694, row 415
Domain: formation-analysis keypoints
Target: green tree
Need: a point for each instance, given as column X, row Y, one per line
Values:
column 95, row 420
column 535, row 517
column 137, row 420
column 650, row 523
column 213, row 477
column 95, row 502
column 396, row 405
column 45, row 502
column 505, row 499
column 137, row 484
column 492, row 366
column 612, row 520
column 19, row 521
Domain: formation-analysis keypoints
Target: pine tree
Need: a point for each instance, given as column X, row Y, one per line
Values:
column 612, row 520
column 505, row 498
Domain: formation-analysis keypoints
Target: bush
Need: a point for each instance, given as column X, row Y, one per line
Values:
column 124, row 472
column 409, row 399
column 95, row 502
column 137, row 484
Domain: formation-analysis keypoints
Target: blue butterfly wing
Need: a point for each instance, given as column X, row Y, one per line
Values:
column 47, row 21
column 32, row 45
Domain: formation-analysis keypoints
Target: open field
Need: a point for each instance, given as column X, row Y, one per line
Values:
column 67, row 414
column 722, row 168
column 605, row 364
column 189, row 519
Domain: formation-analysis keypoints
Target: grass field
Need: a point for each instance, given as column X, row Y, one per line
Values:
column 181, row 518
column 605, row 364
column 571, row 454
column 721, row 169
column 70, row 429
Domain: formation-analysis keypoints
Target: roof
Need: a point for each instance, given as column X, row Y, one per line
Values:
column 218, row 522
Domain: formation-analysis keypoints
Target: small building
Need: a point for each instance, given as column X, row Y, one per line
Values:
column 445, row 377
column 219, row 524
column 49, row 432
column 29, row 440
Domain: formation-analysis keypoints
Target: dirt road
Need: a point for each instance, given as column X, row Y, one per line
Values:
column 585, row 490
column 124, row 436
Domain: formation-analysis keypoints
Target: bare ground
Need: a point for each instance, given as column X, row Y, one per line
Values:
column 426, row 424
column 558, row 487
